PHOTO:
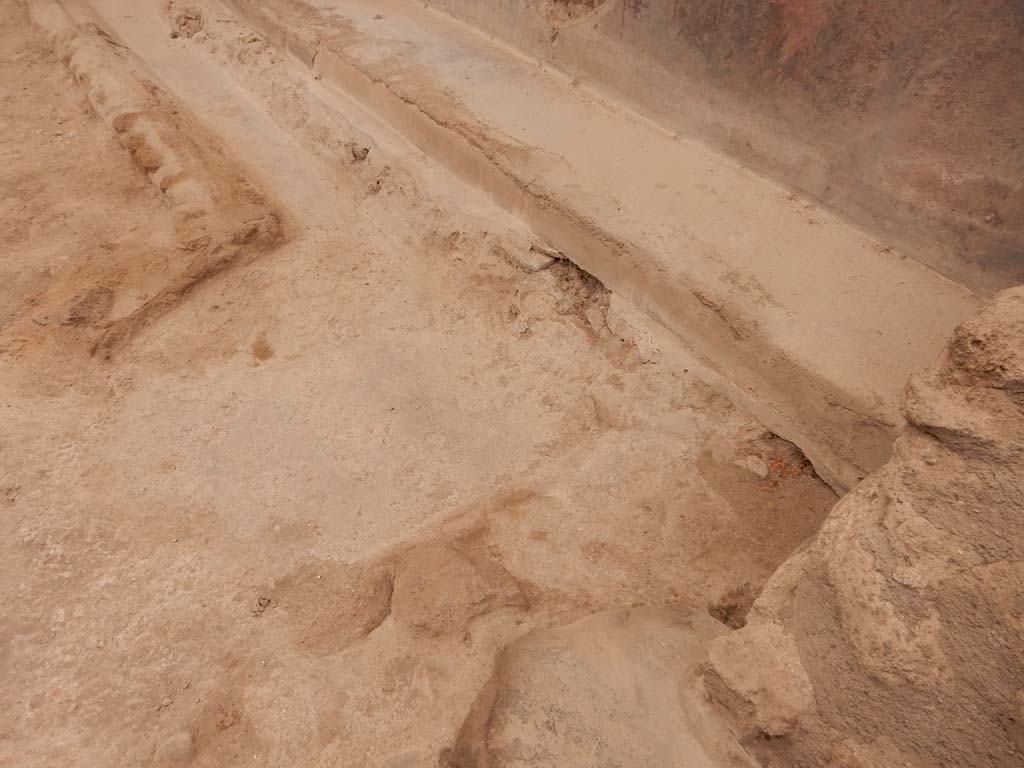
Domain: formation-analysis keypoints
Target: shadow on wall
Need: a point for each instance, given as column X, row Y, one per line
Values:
column 904, row 115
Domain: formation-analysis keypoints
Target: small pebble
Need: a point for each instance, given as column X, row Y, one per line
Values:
column 179, row 749
column 754, row 464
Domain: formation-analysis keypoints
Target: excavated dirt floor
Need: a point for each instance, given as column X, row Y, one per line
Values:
column 352, row 489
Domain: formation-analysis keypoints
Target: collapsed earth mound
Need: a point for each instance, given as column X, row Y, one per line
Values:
column 897, row 638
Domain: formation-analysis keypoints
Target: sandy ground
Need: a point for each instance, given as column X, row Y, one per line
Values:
column 296, row 518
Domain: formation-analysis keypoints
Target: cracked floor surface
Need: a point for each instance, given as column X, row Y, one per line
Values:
column 321, row 506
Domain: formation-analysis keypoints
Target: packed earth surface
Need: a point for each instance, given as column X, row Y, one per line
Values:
column 311, row 454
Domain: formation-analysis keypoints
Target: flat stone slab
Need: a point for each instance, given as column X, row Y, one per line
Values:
column 806, row 320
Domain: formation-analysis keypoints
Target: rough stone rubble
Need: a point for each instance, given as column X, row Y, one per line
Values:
column 897, row 637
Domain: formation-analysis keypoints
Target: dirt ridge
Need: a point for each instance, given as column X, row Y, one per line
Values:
column 222, row 216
